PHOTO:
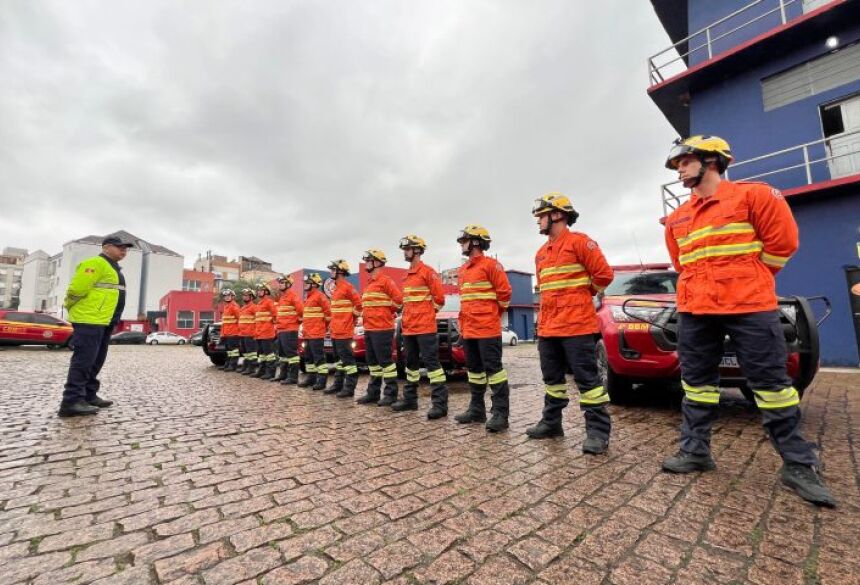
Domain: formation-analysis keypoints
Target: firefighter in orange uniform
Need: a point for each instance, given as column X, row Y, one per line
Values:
column 248, row 344
column 230, row 329
column 345, row 307
column 727, row 242
column 290, row 309
column 315, row 318
column 570, row 269
column 485, row 294
column 264, row 333
column 380, row 302
column 423, row 296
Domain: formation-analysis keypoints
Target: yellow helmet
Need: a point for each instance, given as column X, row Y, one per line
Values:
column 412, row 241
column 705, row 147
column 227, row 292
column 250, row 292
column 314, row 278
column 555, row 202
column 475, row 232
column 285, row 279
column 265, row 287
column 339, row 265
column 374, row 254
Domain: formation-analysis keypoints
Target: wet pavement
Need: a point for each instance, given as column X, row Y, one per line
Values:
column 199, row 476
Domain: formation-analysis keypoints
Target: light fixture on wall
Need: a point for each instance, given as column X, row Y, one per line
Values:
column 831, row 42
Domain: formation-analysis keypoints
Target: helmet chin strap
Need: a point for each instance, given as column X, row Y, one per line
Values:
column 701, row 174
column 545, row 232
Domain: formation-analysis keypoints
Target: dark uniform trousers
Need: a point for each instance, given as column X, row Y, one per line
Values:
column 266, row 351
column 315, row 363
column 231, row 346
column 90, row 345
column 344, row 358
column 424, row 348
column 484, row 367
column 377, row 348
column 248, row 347
column 759, row 342
column 288, row 347
column 576, row 352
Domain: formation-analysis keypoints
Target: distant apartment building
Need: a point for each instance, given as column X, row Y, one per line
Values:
column 219, row 266
column 11, row 273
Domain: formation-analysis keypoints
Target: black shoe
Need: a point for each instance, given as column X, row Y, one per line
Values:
column 436, row 412
column 306, row 383
column 807, row 483
column 471, row 416
column 496, row 423
column 99, row 402
column 387, row 401
column 402, row 405
column 544, row 430
column 682, row 462
column 594, row 446
column 80, row 408
column 367, row 399
column 346, row 393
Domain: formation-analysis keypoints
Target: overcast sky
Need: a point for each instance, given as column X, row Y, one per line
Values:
column 301, row 131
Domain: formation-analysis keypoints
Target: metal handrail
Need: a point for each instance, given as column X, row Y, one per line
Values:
column 655, row 71
column 672, row 200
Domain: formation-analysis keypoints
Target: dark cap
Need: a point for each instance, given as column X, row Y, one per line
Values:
column 116, row 241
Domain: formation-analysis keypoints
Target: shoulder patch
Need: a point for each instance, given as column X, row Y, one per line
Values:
column 776, row 193
column 591, row 245
column 89, row 270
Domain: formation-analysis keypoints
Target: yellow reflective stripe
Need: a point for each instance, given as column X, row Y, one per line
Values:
column 412, row 375
column 731, row 228
column 378, row 304
column 770, row 399
column 479, row 284
column 353, row 369
column 320, row 316
column 774, row 260
column 594, row 396
column 417, row 299
column 498, row 377
column 567, row 283
column 340, row 310
column 702, row 394
column 375, row 295
column 293, row 360
column 477, row 378
column 556, row 390
column 436, row 376
column 724, row 250
column 562, row 269
column 488, row 296
column 310, row 368
column 411, row 289
column 246, row 319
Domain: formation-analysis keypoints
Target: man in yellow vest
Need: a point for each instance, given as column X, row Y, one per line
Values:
column 95, row 300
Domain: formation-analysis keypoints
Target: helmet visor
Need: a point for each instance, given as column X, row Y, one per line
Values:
column 541, row 206
column 677, row 151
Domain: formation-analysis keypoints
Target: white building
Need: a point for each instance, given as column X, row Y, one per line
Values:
column 11, row 271
column 150, row 271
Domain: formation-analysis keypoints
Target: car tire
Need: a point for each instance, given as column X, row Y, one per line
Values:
column 218, row 360
column 153, row 342
column 619, row 388
column 181, row 342
column 513, row 341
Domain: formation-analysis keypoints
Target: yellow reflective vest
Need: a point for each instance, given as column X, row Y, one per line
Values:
column 93, row 293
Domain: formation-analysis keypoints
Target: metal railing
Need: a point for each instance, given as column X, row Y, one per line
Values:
column 704, row 39
column 672, row 199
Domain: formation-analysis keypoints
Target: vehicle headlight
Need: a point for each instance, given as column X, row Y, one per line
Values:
column 647, row 314
column 304, row 344
column 353, row 345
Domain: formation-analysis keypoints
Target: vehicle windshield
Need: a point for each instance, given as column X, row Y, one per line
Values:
column 642, row 283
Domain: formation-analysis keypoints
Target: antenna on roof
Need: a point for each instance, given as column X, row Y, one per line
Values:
column 638, row 253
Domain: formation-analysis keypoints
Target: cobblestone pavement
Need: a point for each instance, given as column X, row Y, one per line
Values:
column 198, row 476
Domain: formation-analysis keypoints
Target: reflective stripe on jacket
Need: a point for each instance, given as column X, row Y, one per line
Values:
column 247, row 319
column 316, row 315
column 728, row 247
column 93, row 292
column 345, row 307
column 264, row 319
column 485, row 294
column 422, row 297
column 380, row 302
column 230, row 319
column 290, row 309
column 570, row 270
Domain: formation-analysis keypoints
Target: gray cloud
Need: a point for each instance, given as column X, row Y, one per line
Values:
column 302, row 131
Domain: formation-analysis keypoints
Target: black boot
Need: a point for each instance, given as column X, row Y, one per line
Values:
column 439, row 401
column 336, row 385
column 240, row 368
column 550, row 422
column 500, row 409
column 251, row 368
column 320, row 382
column 389, row 393
column 683, row 462
column 292, row 374
column 308, row 381
column 99, row 402
column 409, row 400
column 597, row 428
column 477, row 411
column 269, row 370
column 349, row 384
column 79, row 408
column 283, row 372
column 371, row 394
column 806, row 482
column 229, row 365
column 261, row 368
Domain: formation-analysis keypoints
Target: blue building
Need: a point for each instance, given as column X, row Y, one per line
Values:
column 521, row 312
column 780, row 80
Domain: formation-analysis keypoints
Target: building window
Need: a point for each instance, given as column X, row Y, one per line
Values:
column 185, row 320
column 192, row 285
column 206, row 318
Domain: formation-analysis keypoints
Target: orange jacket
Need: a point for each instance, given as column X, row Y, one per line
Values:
column 316, row 315
column 570, row 270
column 247, row 318
column 345, row 307
column 422, row 297
column 264, row 327
column 290, row 309
column 380, row 302
column 230, row 319
column 485, row 294
column 728, row 247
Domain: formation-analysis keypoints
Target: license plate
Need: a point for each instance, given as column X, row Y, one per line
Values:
column 729, row 361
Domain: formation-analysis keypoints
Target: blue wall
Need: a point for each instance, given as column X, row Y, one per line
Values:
column 521, row 319
column 829, row 235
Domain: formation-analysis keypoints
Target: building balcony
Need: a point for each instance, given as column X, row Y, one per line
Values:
column 747, row 37
column 824, row 167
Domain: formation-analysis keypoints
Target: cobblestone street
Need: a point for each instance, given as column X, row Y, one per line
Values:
column 199, row 476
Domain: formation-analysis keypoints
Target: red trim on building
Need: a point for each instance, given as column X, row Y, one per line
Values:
column 193, row 301
column 821, row 186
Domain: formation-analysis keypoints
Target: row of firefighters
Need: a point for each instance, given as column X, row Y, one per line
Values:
column 727, row 242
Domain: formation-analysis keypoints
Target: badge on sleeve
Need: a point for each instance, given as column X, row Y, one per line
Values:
column 591, row 245
column 89, row 270
column 776, row 193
